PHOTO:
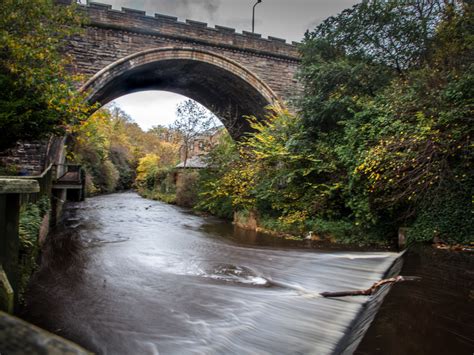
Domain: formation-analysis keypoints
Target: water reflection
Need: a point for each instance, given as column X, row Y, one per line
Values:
column 433, row 316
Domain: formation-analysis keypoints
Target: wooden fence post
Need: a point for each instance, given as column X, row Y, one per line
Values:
column 10, row 192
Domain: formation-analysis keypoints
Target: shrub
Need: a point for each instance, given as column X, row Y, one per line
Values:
column 187, row 188
column 31, row 216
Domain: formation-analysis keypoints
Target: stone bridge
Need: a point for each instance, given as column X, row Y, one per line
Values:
column 232, row 74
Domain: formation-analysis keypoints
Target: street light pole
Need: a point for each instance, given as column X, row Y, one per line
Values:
column 253, row 15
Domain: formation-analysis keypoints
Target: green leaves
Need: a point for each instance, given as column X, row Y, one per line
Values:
column 38, row 95
column 396, row 33
column 389, row 87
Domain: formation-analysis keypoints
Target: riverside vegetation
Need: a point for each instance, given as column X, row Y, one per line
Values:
column 38, row 96
column 381, row 140
column 31, row 217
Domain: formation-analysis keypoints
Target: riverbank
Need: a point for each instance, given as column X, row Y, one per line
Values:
column 250, row 221
column 325, row 235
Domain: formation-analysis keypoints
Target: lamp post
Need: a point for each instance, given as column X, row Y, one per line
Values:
column 253, row 15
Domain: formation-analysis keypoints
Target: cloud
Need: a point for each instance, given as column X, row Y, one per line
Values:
column 211, row 7
column 202, row 9
column 149, row 108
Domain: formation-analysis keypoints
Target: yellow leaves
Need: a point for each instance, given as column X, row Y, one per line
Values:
column 146, row 166
column 374, row 176
column 238, row 184
column 294, row 217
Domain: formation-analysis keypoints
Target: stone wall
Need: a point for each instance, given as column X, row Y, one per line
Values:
column 32, row 158
column 27, row 158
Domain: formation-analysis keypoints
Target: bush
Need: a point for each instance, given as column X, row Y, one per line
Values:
column 448, row 217
column 220, row 207
column 187, row 188
column 105, row 176
column 146, row 171
column 165, row 181
column 9, row 170
column 159, row 196
column 126, row 173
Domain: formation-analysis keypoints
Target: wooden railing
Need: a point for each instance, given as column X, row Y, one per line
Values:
column 45, row 182
column 69, row 168
column 72, row 177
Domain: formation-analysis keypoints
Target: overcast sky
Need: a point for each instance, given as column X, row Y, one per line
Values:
column 287, row 19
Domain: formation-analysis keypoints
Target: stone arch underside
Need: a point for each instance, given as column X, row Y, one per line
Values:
column 225, row 87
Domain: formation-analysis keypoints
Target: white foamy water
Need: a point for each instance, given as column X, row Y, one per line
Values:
column 141, row 277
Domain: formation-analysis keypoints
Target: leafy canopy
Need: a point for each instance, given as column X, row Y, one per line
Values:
column 392, row 95
column 38, row 95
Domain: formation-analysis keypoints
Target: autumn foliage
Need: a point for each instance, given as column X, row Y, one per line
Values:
column 38, row 93
column 117, row 153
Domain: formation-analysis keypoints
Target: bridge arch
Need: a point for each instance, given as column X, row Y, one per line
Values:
column 222, row 85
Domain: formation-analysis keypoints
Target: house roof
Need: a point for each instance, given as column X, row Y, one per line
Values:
column 196, row 162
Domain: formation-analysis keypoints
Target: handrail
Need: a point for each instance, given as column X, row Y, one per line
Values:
column 42, row 175
column 70, row 165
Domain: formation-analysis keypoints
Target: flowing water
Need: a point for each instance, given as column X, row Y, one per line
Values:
column 125, row 275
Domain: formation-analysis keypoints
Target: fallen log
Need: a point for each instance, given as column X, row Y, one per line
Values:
column 372, row 290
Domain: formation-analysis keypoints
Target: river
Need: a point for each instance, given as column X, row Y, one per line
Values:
column 126, row 275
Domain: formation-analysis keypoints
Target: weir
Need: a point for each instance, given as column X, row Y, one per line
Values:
column 130, row 274
column 360, row 324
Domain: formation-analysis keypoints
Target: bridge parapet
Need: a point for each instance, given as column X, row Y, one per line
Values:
column 104, row 16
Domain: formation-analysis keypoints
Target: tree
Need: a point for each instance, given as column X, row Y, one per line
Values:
column 146, row 170
column 357, row 53
column 394, row 33
column 420, row 165
column 220, row 160
column 165, row 134
column 391, row 96
column 38, row 95
column 193, row 120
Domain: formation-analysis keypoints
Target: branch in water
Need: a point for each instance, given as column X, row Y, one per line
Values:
column 372, row 290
